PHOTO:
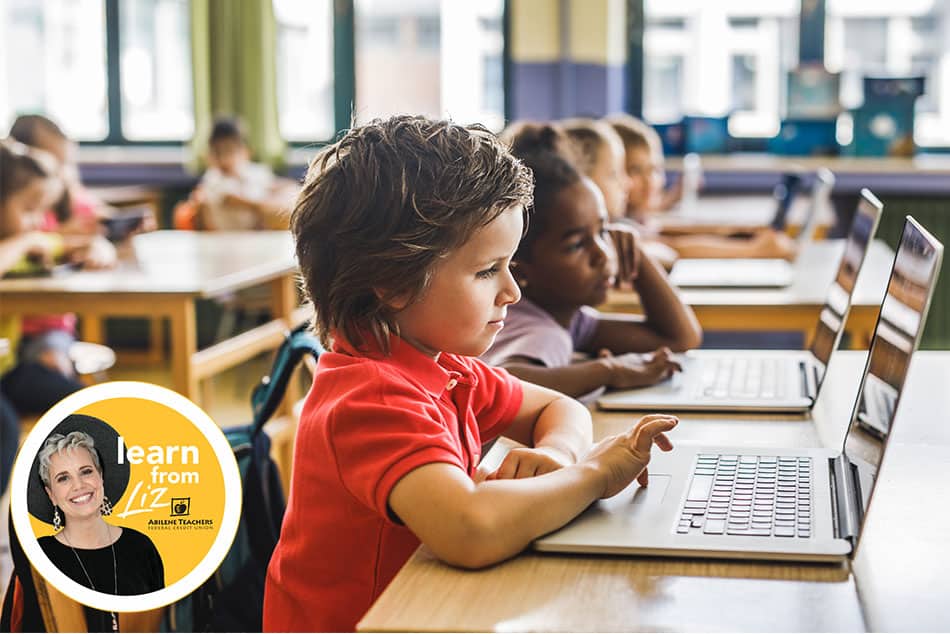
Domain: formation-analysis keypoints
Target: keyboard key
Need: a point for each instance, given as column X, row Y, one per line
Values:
column 783, row 531
column 699, row 488
column 714, row 527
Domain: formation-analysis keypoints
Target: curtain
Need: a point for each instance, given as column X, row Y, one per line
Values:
column 234, row 53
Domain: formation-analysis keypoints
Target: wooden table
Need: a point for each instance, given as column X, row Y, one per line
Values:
column 897, row 580
column 161, row 277
column 794, row 308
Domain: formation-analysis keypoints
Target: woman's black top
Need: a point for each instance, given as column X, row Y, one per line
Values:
column 138, row 567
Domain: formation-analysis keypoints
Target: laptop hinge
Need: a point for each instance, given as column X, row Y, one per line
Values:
column 846, row 499
column 809, row 380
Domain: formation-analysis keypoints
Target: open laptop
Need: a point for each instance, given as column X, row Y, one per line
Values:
column 756, row 272
column 765, row 380
column 774, row 503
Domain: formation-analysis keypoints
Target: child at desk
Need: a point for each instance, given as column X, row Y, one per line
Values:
column 404, row 231
column 40, row 372
column 564, row 265
column 76, row 210
column 236, row 194
column 643, row 162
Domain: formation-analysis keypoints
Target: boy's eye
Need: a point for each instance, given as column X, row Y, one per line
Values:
column 487, row 273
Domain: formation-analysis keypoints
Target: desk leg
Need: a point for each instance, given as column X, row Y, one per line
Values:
column 184, row 343
column 91, row 328
column 283, row 302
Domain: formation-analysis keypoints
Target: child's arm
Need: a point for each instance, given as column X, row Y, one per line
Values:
column 474, row 526
column 766, row 243
column 577, row 379
column 666, row 322
column 32, row 243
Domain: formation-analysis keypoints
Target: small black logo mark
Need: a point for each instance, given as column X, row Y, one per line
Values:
column 181, row 506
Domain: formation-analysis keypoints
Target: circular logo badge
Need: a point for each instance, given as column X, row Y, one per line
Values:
column 130, row 484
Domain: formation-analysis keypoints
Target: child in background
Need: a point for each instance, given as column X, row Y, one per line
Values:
column 40, row 373
column 404, row 231
column 599, row 155
column 643, row 160
column 236, row 194
column 564, row 265
column 76, row 211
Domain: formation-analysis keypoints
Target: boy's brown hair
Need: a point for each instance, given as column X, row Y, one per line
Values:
column 19, row 166
column 633, row 132
column 382, row 205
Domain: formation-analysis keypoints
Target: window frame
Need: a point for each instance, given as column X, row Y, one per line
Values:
column 811, row 46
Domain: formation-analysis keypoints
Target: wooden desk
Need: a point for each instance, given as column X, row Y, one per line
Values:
column 743, row 212
column 162, row 276
column 897, row 580
column 794, row 308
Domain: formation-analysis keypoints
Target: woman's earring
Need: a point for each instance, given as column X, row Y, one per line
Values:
column 57, row 520
column 106, row 506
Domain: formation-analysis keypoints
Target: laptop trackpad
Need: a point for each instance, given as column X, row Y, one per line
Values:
column 638, row 497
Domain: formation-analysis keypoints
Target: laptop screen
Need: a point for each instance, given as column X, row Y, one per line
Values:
column 834, row 313
column 896, row 336
column 784, row 193
column 821, row 189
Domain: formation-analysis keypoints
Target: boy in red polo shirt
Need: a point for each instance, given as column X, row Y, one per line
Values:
column 405, row 230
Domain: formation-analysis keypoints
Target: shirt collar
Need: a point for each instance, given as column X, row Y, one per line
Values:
column 434, row 376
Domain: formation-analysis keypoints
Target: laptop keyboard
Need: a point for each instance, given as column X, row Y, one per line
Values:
column 730, row 378
column 749, row 495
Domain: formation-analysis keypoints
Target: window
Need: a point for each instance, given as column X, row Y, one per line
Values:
column 719, row 58
column 894, row 38
column 155, row 63
column 53, row 62
column 441, row 58
column 305, row 69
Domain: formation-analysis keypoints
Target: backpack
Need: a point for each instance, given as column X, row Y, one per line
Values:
column 232, row 600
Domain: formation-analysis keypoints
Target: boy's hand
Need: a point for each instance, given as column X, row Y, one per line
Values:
column 626, row 242
column 639, row 370
column 527, row 462
column 624, row 457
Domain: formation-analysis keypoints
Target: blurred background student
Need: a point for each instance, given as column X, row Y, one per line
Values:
column 236, row 194
column 645, row 173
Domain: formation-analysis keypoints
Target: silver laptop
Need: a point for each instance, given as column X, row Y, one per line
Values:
column 764, row 380
column 755, row 272
column 789, row 504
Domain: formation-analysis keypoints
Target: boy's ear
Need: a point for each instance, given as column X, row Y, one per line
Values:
column 393, row 303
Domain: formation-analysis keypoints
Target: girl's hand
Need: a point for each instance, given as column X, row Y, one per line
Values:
column 639, row 370
column 100, row 254
column 620, row 459
column 626, row 242
column 527, row 462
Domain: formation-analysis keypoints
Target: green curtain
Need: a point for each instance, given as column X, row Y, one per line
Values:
column 234, row 57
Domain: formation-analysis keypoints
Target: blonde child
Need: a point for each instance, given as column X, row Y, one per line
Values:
column 564, row 265
column 236, row 194
column 405, row 229
column 644, row 167
column 40, row 373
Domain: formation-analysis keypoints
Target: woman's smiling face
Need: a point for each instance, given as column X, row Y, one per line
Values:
column 75, row 485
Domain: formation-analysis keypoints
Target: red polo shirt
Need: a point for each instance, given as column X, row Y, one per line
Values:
column 366, row 423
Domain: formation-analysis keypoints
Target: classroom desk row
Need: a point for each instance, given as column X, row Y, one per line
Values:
column 897, row 580
column 794, row 308
column 161, row 276
column 164, row 272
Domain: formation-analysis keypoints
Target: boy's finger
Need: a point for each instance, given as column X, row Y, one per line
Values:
column 643, row 437
column 662, row 441
column 644, row 478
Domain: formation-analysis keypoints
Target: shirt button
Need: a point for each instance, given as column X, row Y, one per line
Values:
column 451, row 384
